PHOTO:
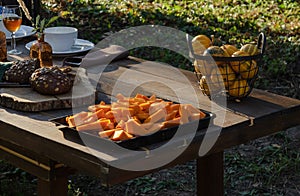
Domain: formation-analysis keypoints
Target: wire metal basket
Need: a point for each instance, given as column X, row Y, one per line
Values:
column 233, row 77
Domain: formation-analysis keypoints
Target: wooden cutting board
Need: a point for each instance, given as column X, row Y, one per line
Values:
column 25, row 99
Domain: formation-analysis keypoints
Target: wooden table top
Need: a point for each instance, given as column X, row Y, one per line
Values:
column 258, row 115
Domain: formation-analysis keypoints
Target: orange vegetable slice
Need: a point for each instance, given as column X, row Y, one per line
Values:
column 76, row 119
column 184, row 114
column 172, row 115
column 97, row 107
column 90, row 126
column 171, row 123
column 142, row 115
column 134, row 128
column 120, row 135
column 158, row 116
column 107, row 133
column 138, row 95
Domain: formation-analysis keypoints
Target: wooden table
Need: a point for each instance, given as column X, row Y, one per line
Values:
column 32, row 143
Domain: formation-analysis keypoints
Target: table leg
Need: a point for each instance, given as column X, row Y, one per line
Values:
column 210, row 175
column 53, row 187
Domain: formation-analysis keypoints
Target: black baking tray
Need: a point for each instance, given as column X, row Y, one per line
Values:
column 93, row 139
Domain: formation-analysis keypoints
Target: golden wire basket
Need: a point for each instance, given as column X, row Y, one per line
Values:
column 233, row 76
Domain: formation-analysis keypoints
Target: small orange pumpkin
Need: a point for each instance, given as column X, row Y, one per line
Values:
column 200, row 43
column 247, row 69
column 250, row 49
column 230, row 49
column 239, row 88
column 202, row 67
column 216, row 51
column 225, row 75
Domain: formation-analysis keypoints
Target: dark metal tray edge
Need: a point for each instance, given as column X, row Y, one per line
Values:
column 160, row 136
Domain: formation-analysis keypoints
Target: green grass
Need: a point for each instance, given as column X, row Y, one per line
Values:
column 271, row 167
column 235, row 22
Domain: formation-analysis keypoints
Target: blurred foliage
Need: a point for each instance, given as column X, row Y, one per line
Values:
column 235, row 22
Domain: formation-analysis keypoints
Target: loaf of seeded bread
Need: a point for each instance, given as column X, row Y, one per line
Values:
column 50, row 81
column 21, row 71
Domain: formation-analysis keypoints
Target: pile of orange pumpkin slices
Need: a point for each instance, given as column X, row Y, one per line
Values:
column 130, row 117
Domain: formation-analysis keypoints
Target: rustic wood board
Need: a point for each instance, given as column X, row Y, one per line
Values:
column 25, row 99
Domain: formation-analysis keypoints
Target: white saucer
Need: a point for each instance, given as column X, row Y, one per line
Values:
column 24, row 31
column 79, row 46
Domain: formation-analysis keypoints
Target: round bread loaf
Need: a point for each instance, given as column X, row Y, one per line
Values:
column 21, row 71
column 50, row 81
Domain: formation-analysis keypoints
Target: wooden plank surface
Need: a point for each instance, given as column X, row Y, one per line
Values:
column 34, row 123
column 26, row 99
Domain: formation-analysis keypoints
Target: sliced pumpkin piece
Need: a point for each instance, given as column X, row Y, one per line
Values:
column 124, row 111
column 184, row 114
column 76, row 119
column 171, row 123
column 194, row 112
column 110, row 114
column 154, row 128
column 136, row 108
column 90, row 126
column 142, row 115
column 147, row 125
column 121, row 125
column 174, row 107
column 137, row 100
column 107, row 133
column 119, row 104
column 145, row 106
column 191, row 108
column 110, row 125
column 152, row 98
column 97, row 107
column 120, row 96
column 158, row 116
column 120, row 135
column 134, row 128
column 138, row 95
column 90, row 118
column 154, row 107
column 196, row 116
column 100, row 113
column 171, row 115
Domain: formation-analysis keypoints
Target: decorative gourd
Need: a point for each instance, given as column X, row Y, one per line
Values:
column 251, row 49
column 250, row 71
column 202, row 67
column 225, row 75
column 203, row 86
column 247, row 69
column 200, row 43
column 239, row 88
column 230, row 49
column 216, row 51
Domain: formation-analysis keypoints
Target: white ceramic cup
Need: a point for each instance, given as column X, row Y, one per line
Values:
column 61, row 38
